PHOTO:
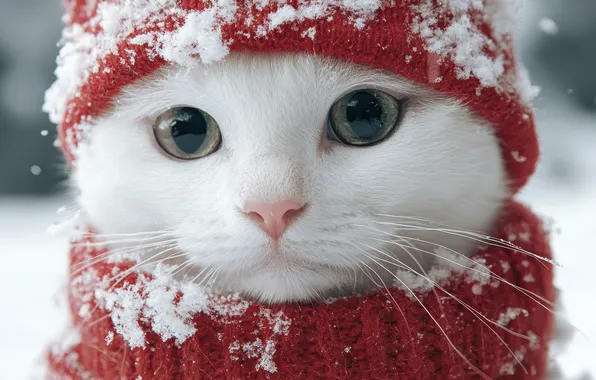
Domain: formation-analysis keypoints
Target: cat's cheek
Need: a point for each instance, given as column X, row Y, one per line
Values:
column 117, row 179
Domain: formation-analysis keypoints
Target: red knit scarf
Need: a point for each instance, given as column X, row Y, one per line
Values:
column 364, row 337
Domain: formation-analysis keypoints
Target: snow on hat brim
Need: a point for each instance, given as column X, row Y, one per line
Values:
column 462, row 49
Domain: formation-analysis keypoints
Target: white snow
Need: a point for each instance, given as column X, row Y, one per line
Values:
column 109, row 338
column 548, row 26
column 287, row 13
column 35, row 170
column 509, row 367
column 279, row 325
column 511, row 314
column 461, row 41
column 310, row 33
column 32, row 272
column 152, row 299
column 474, row 272
column 517, row 157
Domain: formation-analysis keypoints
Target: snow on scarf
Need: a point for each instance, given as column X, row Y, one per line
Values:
column 491, row 319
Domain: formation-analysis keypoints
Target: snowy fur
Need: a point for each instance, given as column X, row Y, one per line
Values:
column 443, row 164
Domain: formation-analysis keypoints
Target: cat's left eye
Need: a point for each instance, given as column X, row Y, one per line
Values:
column 187, row 133
column 364, row 117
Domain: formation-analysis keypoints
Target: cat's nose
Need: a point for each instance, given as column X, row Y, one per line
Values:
column 273, row 217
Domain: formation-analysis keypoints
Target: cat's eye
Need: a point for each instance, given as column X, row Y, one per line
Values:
column 363, row 117
column 187, row 133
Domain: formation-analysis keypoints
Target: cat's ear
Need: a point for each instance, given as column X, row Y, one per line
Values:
column 80, row 11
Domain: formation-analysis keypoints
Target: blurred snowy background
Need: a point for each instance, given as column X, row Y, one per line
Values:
column 557, row 43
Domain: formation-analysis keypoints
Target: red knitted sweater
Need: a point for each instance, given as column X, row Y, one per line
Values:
column 122, row 332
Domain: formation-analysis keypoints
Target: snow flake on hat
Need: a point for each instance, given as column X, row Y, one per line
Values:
column 461, row 40
column 456, row 30
column 175, row 34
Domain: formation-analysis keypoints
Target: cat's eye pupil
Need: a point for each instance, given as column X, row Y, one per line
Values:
column 363, row 117
column 189, row 129
column 187, row 133
column 364, row 113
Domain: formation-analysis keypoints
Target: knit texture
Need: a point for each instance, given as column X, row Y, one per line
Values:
column 386, row 335
column 460, row 48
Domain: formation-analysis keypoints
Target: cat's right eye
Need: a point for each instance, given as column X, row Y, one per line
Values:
column 187, row 133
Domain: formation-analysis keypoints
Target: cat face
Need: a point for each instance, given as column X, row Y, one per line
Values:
column 279, row 132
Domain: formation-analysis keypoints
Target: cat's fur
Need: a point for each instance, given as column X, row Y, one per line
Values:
column 443, row 164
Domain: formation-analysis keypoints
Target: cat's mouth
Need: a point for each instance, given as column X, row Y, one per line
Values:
column 276, row 254
column 273, row 259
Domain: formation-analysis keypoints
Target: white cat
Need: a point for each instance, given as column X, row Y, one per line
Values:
column 313, row 173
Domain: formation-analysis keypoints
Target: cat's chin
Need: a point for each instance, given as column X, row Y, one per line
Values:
column 281, row 282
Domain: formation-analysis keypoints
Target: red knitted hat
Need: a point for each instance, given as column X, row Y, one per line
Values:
column 462, row 48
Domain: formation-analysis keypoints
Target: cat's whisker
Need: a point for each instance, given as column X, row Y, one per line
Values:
column 122, row 275
column 423, row 271
column 103, row 243
column 81, row 266
column 194, row 279
column 128, row 271
column 384, row 287
column 484, row 239
column 424, row 275
column 493, row 275
column 110, row 355
column 211, row 278
column 90, row 324
column 96, row 320
column 540, row 300
column 460, row 354
column 147, row 232
column 189, row 269
column 148, row 261
column 124, row 250
column 126, row 234
column 351, row 267
column 429, row 221
column 187, row 263
column 131, row 247
column 475, row 312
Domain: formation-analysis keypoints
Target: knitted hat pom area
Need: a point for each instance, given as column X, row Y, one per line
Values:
column 485, row 317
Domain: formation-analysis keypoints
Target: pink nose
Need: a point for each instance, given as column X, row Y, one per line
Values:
column 273, row 217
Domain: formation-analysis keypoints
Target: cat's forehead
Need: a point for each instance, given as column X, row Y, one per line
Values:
column 271, row 82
